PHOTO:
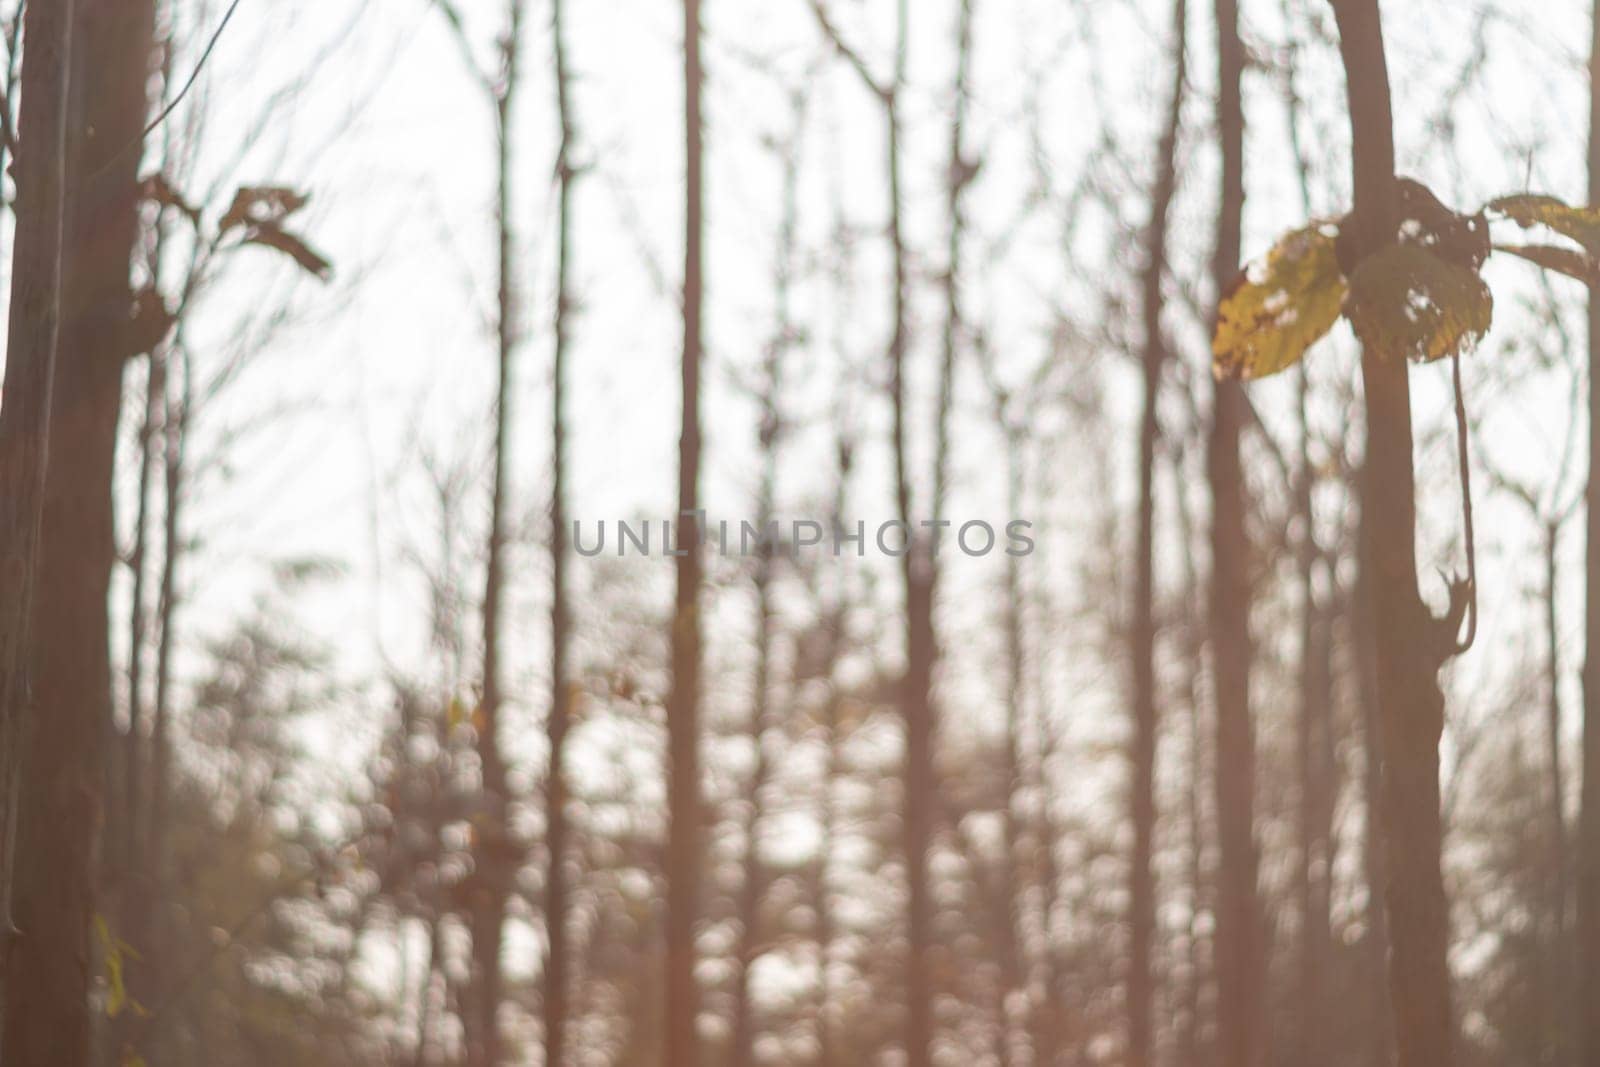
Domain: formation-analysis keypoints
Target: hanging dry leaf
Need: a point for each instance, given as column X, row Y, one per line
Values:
column 158, row 190
column 1406, row 301
column 262, row 205
column 293, row 247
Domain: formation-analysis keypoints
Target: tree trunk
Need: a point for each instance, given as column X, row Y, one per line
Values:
column 1142, row 749
column 495, row 853
column 1192, row 1049
column 1557, row 1010
column 50, row 975
column 1589, row 820
column 682, row 1046
column 772, row 430
column 1240, row 965
column 556, row 903
column 25, row 418
column 1014, row 978
column 1312, row 744
column 1362, row 625
column 1411, row 643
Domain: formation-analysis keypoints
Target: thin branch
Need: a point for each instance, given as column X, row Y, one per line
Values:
column 172, row 105
column 1466, row 508
column 458, row 27
column 853, row 57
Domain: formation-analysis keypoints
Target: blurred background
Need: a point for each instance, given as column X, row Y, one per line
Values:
column 381, row 762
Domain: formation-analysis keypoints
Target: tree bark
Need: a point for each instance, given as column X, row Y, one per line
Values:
column 1557, row 1040
column 1313, row 745
column 1411, row 644
column 25, row 417
column 772, row 430
column 682, row 1046
column 1362, row 627
column 1588, row 1021
column 495, row 853
column 1140, row 991
column 557, row 889
column 50, row 974
column 1240, row 964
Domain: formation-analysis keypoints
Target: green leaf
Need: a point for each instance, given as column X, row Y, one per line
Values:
column 1406, row 301
column 1572, row 263
column 1279, row 308
column 1582, row 224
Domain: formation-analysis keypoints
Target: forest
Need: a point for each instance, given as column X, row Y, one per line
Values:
column 701, row 533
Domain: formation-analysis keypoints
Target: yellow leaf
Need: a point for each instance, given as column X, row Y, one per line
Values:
column 1582, row 224
column 455, row 714
column 1279, row 308
column 1406, row 301
column 111, row 948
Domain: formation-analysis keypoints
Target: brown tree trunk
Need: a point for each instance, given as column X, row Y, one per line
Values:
column 772, row 430
column 1557, row 1010
column 1589, row 821
column 1142, row 749
column 25, row 421
column 1411, row 644
column 918, row 575
column 1193, row 1051
column 1362, row 625
column 495, row 853
column 1240, row 965
column 682, row 1047
column 1313, row 746
column 50, row 974
column 557, row 889
column 1014, row 975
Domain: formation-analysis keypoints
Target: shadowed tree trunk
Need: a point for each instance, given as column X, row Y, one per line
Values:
column 50, row 974
column 557, row 890
column 1241, row 1018
column 25, row 419
column 1142, row 749
column 1411, row 644
column 681, row 1048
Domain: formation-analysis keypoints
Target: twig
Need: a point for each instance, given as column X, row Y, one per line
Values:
column 831, row 32
column 1466, row 507
column 172, row 105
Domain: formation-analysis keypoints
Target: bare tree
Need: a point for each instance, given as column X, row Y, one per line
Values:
column 1146, row 717
column 496, row 854
column 773, row 429
column 918, row 571
column 681, row 1047
column 557, row 892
